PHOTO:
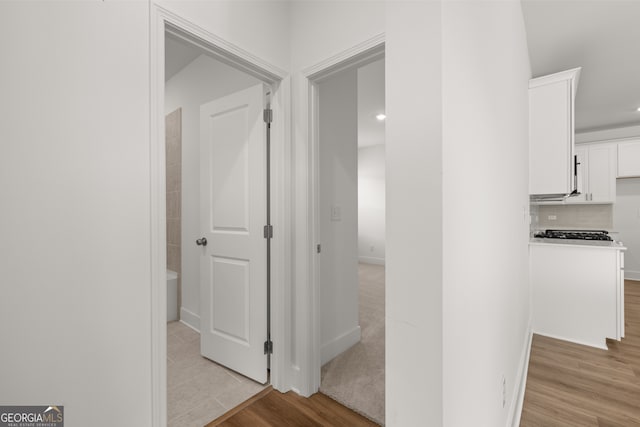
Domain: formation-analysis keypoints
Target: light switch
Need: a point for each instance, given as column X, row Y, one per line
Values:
column 336, row 214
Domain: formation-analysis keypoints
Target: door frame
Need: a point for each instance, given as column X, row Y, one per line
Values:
column 355, row 57
column 163, row 20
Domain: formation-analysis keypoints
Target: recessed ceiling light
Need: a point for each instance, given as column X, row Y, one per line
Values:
column 638, row 109
column 381, row 116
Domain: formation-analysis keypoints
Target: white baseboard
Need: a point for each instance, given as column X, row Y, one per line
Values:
column 371, row 260
column 339, row 345
column 602, row 345
column 631, row 275
column 517, row 399
column 190, row 319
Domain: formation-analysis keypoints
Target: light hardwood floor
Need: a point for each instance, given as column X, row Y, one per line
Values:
column 274, row 409
column 574, row 385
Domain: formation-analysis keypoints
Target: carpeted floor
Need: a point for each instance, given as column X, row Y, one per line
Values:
column 356, row 377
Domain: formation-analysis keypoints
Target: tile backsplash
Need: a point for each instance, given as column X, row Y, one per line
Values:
column 587, row 217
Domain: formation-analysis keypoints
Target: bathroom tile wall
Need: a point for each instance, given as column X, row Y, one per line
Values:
column 173, row 129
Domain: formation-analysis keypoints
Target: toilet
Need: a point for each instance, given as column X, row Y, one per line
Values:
column 172, row 295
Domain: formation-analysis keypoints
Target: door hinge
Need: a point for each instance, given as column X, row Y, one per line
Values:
column 318, row 248
column 268, row 115
column 268, row 231
column 268, row 347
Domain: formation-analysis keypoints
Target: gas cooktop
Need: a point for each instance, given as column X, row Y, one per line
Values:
column 574, row 234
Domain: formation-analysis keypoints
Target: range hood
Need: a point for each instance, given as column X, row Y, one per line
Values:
column 561, row 197
column 548, row 197
column 552, row 197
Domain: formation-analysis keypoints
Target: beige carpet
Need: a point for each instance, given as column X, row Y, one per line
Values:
column 356, row 377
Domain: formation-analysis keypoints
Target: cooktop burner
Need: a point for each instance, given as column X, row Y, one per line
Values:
column 574, row 234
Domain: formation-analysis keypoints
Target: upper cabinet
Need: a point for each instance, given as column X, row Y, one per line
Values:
column 551, row 134
column 629, row 159
column 596, row 174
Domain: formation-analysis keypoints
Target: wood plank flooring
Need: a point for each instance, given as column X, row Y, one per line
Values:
column 271, row 408
column 574, row 385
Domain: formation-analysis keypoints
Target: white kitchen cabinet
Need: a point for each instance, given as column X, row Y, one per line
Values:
column 582, row 159
column 551, row 133
column 596, row 174
column 577, row 290
column 629, row 159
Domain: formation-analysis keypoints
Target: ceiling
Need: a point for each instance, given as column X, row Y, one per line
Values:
column 602, row 37
column 178, row 54
column 370, row 104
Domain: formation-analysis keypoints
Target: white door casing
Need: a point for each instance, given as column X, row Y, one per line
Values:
column 233, row 270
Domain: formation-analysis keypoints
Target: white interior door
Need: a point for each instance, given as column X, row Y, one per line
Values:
column 233, row 283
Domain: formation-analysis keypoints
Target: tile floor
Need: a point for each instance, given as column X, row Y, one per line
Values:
column 199, row 390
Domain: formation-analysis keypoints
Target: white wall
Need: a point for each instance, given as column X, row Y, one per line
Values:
column 486, row 296
column 74, row 166
column 371, row 202
column 414, row 338
column 75, row 226
column 414, row 169
column 261, row 27
column 626, row 221
column 75, row 250
column 338, row 170
column 202, row 81
column 370, row 103
column 312, row 42
column 352, row 22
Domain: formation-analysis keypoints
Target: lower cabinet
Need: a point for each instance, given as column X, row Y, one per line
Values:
column 578, row 292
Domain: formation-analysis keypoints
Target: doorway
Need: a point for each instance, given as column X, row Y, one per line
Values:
column 198, row 72
column 199, row 389
column 351, row 233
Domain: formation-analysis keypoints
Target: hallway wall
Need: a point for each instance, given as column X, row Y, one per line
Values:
column 75, row 312
column 486, row 294
column 76, row 225
column 268, row 21
column 310, row 44
column 428, row 173
column 75, row 249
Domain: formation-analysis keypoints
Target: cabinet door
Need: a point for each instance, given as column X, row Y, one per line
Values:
column 602, row 174
column 550, row 139
column 582, row 176
column 629, row 159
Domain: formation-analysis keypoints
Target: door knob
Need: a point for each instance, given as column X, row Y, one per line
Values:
column 202, row 242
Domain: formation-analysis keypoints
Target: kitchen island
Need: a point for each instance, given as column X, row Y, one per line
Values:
column 577, row 290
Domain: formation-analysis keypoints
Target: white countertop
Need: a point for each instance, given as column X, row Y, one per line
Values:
column 578, row 243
